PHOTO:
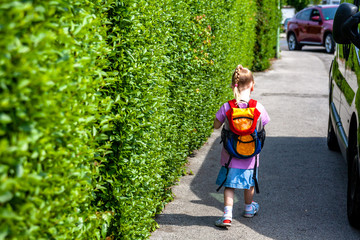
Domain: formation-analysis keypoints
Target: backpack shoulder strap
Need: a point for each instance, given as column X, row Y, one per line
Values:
column 232, row 103
column 252, row 103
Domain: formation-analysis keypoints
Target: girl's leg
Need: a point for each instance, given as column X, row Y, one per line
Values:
column 229, row 197
column 225, row 221
column 248, row 195
column 251, row 208
column 228, row 202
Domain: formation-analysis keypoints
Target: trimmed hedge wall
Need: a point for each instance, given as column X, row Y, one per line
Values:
column 268, row 19
column 50, row 119
column 101, row 102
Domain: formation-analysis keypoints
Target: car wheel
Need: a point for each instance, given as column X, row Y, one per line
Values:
column 332, row 141
column 329, row 43
column 353, row 191
column 292, row 43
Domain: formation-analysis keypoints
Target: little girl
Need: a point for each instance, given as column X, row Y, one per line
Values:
column 240, row 170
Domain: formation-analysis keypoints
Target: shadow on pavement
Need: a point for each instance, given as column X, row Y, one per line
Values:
column 314, row 49
column 302, row 190
column 302, row 194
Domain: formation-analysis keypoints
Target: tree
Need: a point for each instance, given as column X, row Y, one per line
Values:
column 298, row 4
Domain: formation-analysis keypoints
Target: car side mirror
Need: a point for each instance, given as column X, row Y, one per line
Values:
column 315, row 18
column 345, row 25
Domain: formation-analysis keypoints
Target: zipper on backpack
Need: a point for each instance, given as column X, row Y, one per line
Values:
column 243, row 117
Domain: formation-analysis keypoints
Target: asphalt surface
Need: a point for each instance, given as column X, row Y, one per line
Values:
column 302, row 183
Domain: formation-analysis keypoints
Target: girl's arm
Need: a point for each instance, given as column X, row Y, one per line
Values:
column 217, row 123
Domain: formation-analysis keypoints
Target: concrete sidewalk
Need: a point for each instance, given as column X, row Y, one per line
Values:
column 296, row 79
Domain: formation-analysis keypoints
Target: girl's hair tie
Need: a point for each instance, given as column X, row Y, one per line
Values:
column 236, row 85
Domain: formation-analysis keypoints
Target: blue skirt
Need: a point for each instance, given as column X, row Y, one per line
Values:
column 237, row 178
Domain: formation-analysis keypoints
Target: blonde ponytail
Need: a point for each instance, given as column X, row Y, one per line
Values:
column 237, row 94
column 241, row 79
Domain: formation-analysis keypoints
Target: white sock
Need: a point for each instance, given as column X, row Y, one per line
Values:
column 228, row 212
column 248, row 207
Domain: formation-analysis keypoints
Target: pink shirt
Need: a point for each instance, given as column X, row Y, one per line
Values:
column 247, row 163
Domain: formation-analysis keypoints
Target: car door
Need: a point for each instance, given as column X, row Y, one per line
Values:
column 302, row 20
column 314, row 26
column 338, row 77
column 349, row 87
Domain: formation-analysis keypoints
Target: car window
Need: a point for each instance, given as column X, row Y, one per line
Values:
column 329, row 13
column 304, row 15
column 315, row 12
column 286, row 21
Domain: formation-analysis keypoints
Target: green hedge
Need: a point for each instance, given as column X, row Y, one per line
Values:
column 51, row 118
column 101, row 102
column 268, row 19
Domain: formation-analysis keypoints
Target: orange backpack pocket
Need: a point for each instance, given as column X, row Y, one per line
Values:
column 246, row 145
column 242, row 121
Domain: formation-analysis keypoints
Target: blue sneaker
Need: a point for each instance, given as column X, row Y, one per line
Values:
column 253, row 211
column 223, row 222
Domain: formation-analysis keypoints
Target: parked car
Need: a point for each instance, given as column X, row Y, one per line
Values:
column 344, row 101
column 312, row 26
column 285, row 24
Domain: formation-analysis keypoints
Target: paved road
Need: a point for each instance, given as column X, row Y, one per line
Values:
column 302, row 183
